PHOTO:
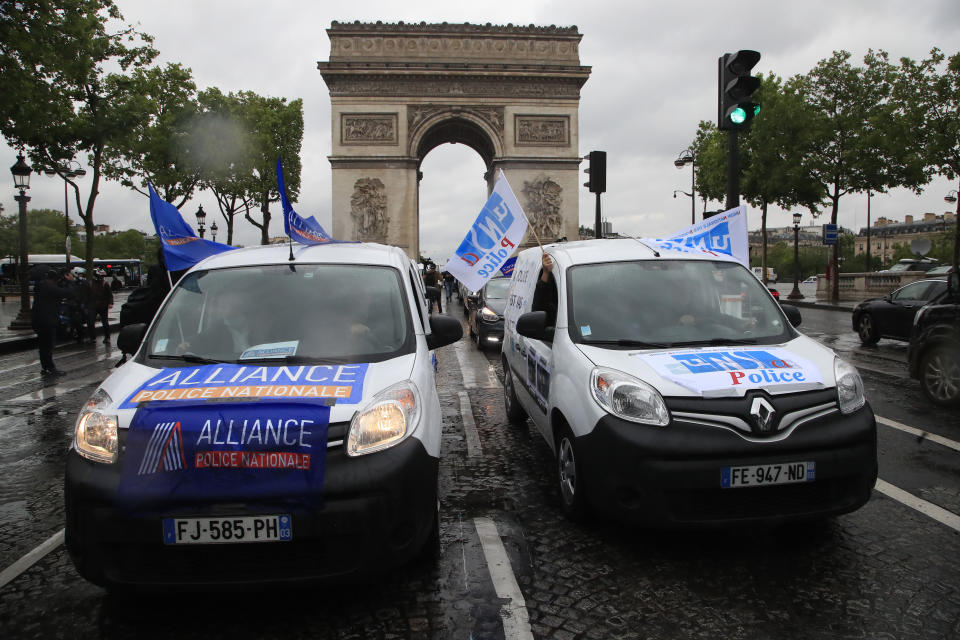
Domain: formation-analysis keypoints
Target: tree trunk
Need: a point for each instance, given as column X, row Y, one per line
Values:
column 265, row 211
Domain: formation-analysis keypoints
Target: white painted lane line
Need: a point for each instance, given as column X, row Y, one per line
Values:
column 469, row 380
column 939, row 514
column 27, row 561
column 926, row 435
column 474, row 448
column 516, row 620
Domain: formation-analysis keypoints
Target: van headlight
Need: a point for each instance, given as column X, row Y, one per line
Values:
column 95, row 435
column 387, row 419
column 627, row 397
column 849, row 386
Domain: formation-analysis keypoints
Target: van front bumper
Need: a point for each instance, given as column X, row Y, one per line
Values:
column 377, row 512
column 671, row 475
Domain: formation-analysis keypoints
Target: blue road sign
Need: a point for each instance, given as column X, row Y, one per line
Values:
column 829, row 234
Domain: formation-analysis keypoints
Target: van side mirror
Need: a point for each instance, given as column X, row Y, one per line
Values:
column 444, row 330
column 533, row 325
column 792, row 313
column 130, row 337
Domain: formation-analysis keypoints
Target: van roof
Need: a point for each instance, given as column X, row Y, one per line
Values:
column 334, row 253
column 625, row 249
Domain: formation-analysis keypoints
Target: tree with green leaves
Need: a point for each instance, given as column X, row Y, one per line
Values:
column 710, row 149
column 769, row 152
column 69, row 87
column 927, row 93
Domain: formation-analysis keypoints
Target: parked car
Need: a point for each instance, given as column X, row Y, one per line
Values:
column 810, row 280
column 279, row 422
column 914, row 264
column 940, row 272
column 485, row 317
column 892, row 315
column 934, row 352
column 673, row 391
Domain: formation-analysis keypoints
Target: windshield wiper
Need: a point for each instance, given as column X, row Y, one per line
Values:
column 186, row 357
column 627, row 343
column 714, row 342
column 294, row 360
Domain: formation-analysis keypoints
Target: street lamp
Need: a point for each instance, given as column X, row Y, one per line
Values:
column 686, row 156
column 201, row 216
column 66, row 171
column 795, row 294
column 21, row 179
column 951, row 197
column 213, row 231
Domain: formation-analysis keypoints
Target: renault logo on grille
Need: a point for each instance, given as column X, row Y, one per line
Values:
column 762, row 413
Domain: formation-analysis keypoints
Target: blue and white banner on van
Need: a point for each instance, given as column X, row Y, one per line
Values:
column 492, row 238
column 724, row 233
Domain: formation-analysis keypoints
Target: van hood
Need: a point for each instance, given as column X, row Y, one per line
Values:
column 353, row 385
column 801, row 364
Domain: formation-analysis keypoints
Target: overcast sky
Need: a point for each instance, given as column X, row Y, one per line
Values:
column 653, row 79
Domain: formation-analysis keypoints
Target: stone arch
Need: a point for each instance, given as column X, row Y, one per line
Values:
column 398, row 91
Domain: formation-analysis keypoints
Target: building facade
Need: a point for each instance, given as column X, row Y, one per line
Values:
column 886, row 234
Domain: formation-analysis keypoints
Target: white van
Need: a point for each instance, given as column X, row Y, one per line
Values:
column 279, row 422
column 673, row 389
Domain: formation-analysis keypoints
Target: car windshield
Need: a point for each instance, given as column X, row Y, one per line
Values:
column 497, row 289
column 671, row 302
column 285, row 313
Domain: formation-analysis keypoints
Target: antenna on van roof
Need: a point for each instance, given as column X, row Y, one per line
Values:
column 656, row 254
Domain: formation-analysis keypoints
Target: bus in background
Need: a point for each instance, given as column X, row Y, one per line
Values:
column 120, row 272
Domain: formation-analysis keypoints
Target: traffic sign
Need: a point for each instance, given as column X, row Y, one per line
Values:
column 829, row 234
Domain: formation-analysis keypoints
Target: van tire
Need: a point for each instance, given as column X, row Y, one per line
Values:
column 511, row 404
column 570, row 482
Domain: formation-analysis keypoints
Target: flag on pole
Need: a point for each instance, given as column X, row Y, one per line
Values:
column 302, row 230
column 723, row 233
column 492, row 238
column 181, row 247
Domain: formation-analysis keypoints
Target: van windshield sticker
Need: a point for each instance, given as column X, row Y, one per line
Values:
column 271, row 350
column 709, row 370
column 585, row 330
column 232, row 382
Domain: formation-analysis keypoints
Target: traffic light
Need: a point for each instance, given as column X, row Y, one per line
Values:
column 735, row 86
column 597, row 170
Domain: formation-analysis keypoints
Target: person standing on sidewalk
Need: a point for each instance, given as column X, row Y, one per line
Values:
column 45, row 315
column 101, row 299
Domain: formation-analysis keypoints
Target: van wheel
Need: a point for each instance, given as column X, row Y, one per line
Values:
column 940, row 376
column 511, row 405
column 867, row 330
column 570, row 477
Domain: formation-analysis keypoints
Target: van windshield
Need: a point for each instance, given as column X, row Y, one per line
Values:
column 301, row 313
column 671, row 303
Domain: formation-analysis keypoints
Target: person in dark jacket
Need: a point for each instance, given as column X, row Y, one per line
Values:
column 545, row 293
column 101, row 299
column 45, row 315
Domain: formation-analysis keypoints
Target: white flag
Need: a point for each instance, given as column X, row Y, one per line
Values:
column 491, row 240
column 723, row 233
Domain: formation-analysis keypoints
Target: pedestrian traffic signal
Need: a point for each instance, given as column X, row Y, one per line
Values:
column 597, row 170
column 735, row 86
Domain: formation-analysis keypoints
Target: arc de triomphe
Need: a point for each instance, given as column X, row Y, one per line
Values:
column 510, row 93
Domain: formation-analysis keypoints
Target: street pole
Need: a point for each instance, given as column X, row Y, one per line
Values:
column 66, row 222
column 598, row 233
column 733, row 171
column 795, row 294
column 869, row 268
column 693, row 193
column 22, row 321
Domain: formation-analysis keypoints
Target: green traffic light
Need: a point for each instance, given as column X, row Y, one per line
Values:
column 738, row 116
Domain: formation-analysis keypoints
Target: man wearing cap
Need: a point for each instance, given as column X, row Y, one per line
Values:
column 45, row 315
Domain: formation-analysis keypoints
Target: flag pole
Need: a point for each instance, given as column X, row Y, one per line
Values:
column 535, row 236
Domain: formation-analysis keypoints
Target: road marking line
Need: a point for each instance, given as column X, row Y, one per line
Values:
column 474, row 448
column 939, row 514
column 926, row 435
column 469, row 380
column 27, row 561
column 516, row 620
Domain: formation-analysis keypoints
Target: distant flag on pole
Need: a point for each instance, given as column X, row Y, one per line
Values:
column 302, row 230
column 181, row 247
column 492, row 238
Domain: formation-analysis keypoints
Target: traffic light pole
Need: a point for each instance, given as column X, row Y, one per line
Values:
column 598, row 232
column 733, row 171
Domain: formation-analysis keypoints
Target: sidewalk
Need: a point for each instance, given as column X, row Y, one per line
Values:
column 11, row 340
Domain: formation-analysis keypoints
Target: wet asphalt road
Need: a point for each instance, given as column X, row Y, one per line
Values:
column 885, row 571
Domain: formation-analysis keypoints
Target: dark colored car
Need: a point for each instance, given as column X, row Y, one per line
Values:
column 485, row 314
column 914, row 264
column 934, row 351
column 892, row 315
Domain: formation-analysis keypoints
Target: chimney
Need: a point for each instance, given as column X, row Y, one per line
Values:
column 929, row 217
column 907, row 219
column 881, row 221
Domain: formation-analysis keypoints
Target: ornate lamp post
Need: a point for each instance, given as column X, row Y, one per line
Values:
column 213, row 231
column 66, row 171
column 686, row 156
column 201, row 216
column 795, row 294
column 951, row 198
column 21, row 179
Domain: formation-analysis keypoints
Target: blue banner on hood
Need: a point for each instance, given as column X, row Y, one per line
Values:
column 225, row 382
column 180, row 454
